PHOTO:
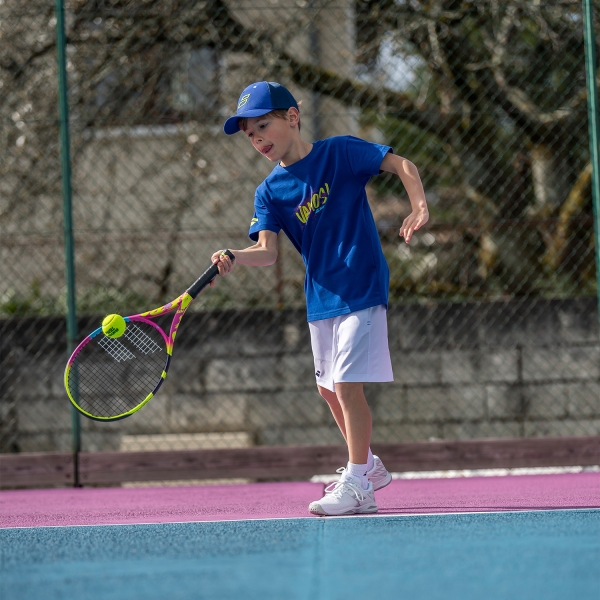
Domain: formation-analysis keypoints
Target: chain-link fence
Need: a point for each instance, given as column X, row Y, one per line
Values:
column 493, row 322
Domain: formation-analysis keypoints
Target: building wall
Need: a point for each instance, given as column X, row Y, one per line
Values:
column 149, row 200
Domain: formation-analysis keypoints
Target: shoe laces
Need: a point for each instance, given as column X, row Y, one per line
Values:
column 338, row 488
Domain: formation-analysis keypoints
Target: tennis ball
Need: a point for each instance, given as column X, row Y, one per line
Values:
column 113, row 326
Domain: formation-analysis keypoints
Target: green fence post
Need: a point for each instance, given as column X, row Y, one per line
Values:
column 594, row 126
column 65, row 159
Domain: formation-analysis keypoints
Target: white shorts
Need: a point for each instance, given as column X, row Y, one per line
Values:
column 351, row 348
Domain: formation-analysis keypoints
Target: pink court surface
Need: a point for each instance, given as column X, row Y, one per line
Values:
column 111, row 506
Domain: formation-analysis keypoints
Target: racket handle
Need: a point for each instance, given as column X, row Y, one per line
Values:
column 206, row 278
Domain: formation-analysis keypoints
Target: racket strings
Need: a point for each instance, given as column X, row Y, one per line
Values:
column 105, row 393
column 115, row 349
column 102, row 398
column 110, row 377
column 140, row 340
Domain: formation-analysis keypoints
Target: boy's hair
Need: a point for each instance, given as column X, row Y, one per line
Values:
column 279, row 113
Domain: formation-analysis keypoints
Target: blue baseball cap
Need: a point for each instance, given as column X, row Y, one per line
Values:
column 259, row 99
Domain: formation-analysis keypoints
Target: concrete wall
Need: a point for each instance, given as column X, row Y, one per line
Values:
column 514, row 369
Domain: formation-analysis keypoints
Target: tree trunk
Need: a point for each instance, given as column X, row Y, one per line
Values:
column 550, row 185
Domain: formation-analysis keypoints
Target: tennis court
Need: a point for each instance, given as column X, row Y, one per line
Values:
column 529, row 536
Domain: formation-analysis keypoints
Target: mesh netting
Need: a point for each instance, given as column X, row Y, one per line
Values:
column 493, row 324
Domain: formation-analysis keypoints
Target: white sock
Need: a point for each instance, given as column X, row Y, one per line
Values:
column 370, row 460
column 359, row 471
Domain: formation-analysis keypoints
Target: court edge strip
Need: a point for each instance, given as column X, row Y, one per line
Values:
column 316, row 518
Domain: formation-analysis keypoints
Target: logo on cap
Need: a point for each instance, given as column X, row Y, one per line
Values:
column 243, row 100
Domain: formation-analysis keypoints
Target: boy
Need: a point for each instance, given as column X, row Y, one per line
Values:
column 316, row 195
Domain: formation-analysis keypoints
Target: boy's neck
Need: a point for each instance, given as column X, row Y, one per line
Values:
column 298, row 150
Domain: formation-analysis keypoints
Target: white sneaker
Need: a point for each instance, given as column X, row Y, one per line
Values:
column 379, row 475
column 345, row 497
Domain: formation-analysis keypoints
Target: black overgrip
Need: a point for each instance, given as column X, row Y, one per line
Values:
column 206, row 277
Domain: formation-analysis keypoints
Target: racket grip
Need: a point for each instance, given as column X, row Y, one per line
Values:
column 206, row 277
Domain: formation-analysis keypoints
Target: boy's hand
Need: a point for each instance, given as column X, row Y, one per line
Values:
column 223, row 262
column 414, row 221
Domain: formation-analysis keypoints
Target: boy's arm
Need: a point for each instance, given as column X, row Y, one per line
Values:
column 261, row 254
column 408, row 173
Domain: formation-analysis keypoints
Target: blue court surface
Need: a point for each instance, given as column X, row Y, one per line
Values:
column 552, row 554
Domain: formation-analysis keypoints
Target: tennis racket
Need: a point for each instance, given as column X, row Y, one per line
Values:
column 110, row 378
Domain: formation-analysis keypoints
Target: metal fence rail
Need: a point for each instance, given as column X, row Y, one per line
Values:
column 493, row 324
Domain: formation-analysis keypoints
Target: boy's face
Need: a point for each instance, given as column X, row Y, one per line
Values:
column 272, row 136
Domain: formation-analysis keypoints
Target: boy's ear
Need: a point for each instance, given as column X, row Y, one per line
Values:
column 293, row 115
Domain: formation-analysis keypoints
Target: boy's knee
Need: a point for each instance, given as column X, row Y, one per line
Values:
column 350, row 393
column 349, row 388
column 326, row 394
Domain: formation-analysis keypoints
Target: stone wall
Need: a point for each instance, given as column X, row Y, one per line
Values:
column 510, row 369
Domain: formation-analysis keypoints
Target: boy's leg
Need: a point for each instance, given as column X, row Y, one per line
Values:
column 378, row 475
column 357, row 420
column 342, row 346
column 360, row 353
column 335, row 407
column 358, row 424
column 354, row 492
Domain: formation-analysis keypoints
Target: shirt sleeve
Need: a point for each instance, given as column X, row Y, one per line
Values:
column 262, row 219
column 364, row 157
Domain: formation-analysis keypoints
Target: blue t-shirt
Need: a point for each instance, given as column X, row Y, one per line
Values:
column 321, row 204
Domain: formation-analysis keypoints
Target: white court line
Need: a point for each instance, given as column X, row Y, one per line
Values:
column 455, row 474
column 321, row 518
